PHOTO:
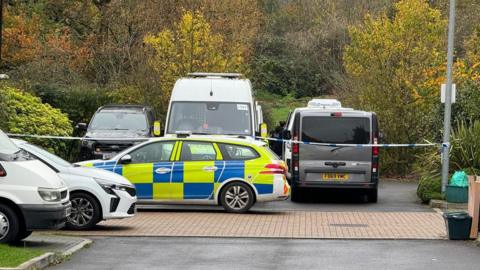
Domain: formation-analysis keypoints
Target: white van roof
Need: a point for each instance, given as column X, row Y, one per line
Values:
column 215, row 87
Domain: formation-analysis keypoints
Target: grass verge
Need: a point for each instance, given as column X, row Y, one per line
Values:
column 14, row 256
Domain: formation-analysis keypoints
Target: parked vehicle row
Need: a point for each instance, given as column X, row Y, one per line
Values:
column 40, row 191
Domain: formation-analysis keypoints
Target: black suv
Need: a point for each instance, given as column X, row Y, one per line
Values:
column 110, row 124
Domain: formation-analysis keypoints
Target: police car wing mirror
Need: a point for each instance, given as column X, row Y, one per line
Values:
column 287, row 135
column 81, row 126
column 157, row 129
column 127, row 159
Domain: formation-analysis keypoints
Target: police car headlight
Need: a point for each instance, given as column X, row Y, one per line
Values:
column 49, row 195
column 109, row 187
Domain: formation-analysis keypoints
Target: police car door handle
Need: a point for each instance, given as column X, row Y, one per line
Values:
column 163, row 170
column 210, row 168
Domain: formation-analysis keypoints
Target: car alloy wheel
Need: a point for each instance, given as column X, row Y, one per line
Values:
column 237, row 197
column 82, row 212
column 4, row 226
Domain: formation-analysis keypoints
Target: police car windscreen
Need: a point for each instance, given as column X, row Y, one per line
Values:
column 347, row 130
column 210, row 118
column 119, row 121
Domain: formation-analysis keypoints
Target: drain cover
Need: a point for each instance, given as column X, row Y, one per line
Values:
column 348, row 225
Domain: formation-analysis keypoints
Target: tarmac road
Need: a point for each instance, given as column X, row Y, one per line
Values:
column 217, row 253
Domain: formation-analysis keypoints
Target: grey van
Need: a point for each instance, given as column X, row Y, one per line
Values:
column 319, row 166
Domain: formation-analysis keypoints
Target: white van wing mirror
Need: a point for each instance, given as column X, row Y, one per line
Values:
column 127, row 159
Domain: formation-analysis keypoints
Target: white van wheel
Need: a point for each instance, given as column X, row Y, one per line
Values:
column 9, row 224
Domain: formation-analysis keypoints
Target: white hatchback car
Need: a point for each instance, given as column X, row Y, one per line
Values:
column 95, row 194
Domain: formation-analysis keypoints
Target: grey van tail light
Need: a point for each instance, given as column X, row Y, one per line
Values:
column 50, row 195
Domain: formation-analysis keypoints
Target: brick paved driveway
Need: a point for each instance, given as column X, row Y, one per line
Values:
column 286, row 224
column 397, row 215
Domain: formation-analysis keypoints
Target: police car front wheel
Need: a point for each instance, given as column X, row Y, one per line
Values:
column 237, row 197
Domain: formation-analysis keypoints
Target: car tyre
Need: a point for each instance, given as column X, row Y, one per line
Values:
column 237, row 197
column 296, row 194
column 9, row 224
column 85, row 212
column 373, row 195
column 22, row 234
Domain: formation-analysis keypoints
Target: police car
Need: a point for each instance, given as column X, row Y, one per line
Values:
column 233, row 173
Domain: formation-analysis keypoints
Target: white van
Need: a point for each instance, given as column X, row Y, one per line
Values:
column 213, row 104
column 32, row 196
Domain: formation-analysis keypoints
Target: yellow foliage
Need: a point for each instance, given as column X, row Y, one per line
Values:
column 191, row 47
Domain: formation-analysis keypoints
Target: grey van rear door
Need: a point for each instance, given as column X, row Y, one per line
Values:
column 335, row 164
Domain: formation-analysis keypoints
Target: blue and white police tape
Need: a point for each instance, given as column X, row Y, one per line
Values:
column 386, row 145
column 72, row 138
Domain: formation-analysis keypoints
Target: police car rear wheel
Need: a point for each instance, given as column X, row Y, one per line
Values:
column 237, row 197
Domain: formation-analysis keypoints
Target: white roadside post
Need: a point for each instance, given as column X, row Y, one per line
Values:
column 448, row 98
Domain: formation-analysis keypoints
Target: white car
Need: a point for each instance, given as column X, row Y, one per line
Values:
column 95, row 194
column 32, row 196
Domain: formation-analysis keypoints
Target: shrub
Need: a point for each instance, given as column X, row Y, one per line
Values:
column 26, row 114
column 79, row 102
column 465, row 152
column 429, row 188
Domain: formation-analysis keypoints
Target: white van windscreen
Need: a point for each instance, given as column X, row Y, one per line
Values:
column 342, row 130
column 7, row 147
column 222, row 118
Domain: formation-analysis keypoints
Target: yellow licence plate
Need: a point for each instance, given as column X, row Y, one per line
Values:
column 335, row 176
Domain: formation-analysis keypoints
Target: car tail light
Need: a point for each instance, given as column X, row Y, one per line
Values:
column 295, row 165
column 274, row 169
column 295, row 146
column 336, row 114
column 3, row 173
column 375, row 151
column 374, row 167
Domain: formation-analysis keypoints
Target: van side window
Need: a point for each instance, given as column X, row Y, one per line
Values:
column 198, row 151
column 154, row 152
column 237, row 152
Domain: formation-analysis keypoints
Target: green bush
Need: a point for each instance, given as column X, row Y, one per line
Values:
column 78, row 102
column 26, row 114
column 465, row 152
column 429, row 188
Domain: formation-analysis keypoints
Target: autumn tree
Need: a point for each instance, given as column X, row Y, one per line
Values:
column 396, row 65
column 191, row 46
column 21, row 42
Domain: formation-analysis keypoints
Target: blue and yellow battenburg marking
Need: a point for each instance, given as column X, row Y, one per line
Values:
column 188, row 180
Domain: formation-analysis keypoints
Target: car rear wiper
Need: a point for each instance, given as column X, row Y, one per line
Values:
column 337, row 148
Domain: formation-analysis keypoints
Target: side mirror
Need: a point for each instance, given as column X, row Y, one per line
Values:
column 157, row 131
column 127, row 159
column 287, row 135
column 81, row 126
column 263, row 130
